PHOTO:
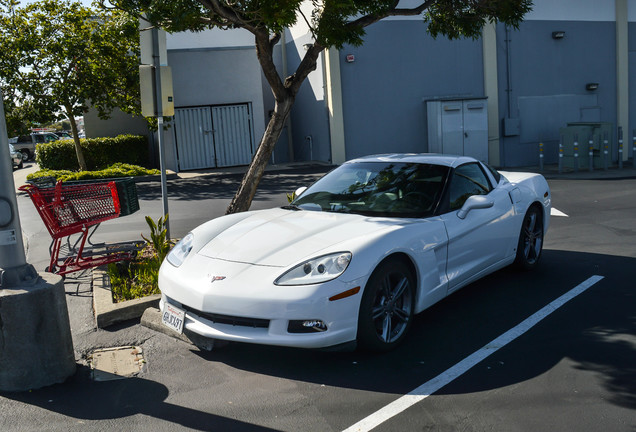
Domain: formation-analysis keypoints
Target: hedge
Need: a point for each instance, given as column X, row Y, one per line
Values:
column 115, row 170
column 99, row 153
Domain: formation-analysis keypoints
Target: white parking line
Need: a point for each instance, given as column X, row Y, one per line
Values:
column 557, row 212
column 430, row 387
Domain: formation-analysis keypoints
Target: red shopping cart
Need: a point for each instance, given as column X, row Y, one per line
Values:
column 68, row 209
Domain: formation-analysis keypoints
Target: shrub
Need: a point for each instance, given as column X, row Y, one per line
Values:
column 140, row 278
column 115, row 170
column 98, row 152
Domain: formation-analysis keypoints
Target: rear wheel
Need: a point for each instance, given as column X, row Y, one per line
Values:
column 25, row 155
column 530, row 240
column 386, row 308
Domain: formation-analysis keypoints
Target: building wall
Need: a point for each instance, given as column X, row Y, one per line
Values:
column 542, row 83
column 395, row 72
column 216, row 76
column 119, row 123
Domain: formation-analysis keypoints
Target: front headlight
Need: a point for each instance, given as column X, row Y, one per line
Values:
column 181, row 250
column 317, row 270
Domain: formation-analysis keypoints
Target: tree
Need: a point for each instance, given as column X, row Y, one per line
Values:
column 332, row 24
column 61, row 56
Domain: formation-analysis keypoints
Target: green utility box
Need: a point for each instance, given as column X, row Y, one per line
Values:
column 580, row 132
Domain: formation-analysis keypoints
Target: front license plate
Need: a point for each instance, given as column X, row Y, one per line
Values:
column 173, row 317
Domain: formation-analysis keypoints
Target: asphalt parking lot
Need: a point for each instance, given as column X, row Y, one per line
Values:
column 573, row 369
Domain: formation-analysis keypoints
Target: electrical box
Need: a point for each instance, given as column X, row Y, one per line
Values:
column 459, row 127
column 580, row 133
column 148, row 96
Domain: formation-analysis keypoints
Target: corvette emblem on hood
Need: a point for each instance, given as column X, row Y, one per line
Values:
column 215, row 278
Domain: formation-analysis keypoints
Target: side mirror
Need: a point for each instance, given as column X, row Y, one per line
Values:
column 300, row 191
column 475, row 202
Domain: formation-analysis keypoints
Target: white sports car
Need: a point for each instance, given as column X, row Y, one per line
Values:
column 356, row 255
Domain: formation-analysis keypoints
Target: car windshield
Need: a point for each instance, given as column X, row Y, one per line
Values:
column 386, row 189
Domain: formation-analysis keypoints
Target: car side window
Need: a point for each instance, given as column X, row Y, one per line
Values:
column 468, row 180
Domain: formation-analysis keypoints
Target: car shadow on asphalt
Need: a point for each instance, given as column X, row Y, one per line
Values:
column 592, row 331
column 81, row 398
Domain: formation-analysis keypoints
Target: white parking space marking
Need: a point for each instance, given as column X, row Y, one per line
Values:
column 430, row 387
column 557, row 212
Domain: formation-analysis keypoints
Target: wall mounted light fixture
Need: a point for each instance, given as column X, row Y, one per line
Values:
column 591, row 86
column 558, row 34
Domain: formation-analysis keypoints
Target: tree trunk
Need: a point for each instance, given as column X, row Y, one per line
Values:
column 78, row 150
column 243, row 197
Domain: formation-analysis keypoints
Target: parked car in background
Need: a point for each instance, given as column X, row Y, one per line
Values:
column 16, row 157
column 64, row 134
column 26, row 143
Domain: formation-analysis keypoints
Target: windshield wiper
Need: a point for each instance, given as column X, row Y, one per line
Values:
column 291, row 207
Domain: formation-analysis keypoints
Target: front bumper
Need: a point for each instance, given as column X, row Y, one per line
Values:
column 246, row 306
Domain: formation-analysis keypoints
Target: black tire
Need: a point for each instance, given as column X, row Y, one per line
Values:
column 25, row 155
column 386, row 308
column 21, row 165
column 530, row 240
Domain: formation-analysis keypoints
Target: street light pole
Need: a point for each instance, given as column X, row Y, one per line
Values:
column 35, row 333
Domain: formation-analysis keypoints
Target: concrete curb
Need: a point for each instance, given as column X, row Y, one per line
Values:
column 107, row 312
column 151, row 318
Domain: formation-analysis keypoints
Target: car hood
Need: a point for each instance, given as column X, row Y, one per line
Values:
column 281, row 238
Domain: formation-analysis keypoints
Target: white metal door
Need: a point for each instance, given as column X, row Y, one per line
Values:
column 194, row 138
column 476, row 129
column 233, row 135
column 452, row 128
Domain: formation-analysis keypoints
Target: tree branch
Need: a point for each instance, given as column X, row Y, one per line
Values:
column 367, row 20
column 306, row 66
column 229, row 14
column 264, row 50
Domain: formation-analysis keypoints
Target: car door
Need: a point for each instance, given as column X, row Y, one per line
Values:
column 479, row 240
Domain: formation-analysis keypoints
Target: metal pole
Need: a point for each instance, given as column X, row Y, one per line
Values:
column 561, row 155
column 576, row 152
column 590, row 152
column 634, row 148
column 159, row 112
column 620, row 147
column 605, row 151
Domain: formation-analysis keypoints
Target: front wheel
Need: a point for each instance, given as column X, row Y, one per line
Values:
column 25, row 155
column 530, row 240
column 386, row 308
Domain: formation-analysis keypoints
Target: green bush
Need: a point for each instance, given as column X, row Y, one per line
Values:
column 131, row 280
column 115, row 170
column 98, row 152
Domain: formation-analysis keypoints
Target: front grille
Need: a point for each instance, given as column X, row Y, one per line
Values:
column 231, row 320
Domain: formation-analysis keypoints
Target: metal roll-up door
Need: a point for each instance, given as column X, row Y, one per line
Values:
column 233, row 136
column 194, row 138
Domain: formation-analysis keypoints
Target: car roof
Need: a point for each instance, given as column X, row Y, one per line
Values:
column 423, row 158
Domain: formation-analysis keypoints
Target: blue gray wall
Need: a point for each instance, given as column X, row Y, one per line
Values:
column 397, row 69
column 309, row 117
column 632, row 84
column 547, row 83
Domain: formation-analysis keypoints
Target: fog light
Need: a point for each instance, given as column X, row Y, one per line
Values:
column 306, row 326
